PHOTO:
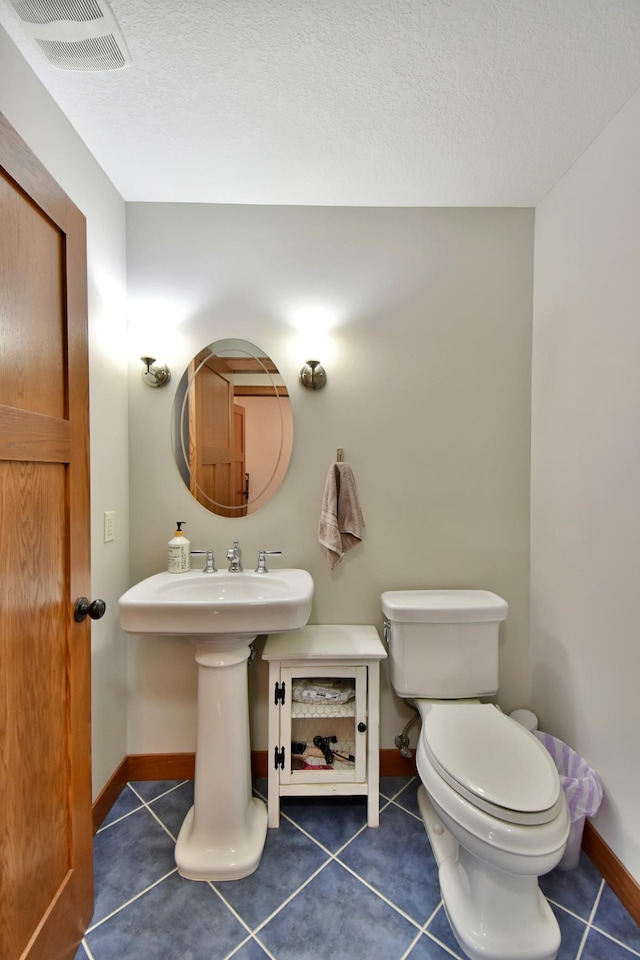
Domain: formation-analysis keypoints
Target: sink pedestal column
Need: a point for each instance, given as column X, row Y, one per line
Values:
column 223, row 834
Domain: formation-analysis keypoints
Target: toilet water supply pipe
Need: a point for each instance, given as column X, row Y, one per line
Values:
column 402, row 740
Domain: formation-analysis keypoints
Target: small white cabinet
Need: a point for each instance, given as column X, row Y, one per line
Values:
column 344, row 658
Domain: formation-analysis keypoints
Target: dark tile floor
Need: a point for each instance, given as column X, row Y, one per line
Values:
column 327, row 888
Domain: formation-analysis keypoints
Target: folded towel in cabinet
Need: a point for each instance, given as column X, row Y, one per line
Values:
column 341, row 525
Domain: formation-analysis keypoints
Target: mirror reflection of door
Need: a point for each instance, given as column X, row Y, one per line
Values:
column 232, row 428
column 216, row 436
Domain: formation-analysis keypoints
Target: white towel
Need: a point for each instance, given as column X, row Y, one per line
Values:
column 341, row 525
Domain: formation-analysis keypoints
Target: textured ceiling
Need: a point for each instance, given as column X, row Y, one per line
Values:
column 350, row 102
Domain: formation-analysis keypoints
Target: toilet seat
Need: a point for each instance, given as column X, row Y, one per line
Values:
column 493, row 762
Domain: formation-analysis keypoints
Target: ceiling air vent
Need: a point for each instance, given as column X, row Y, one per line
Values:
column 75, row 34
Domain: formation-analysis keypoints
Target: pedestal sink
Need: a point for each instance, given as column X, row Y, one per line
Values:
column 223, row 834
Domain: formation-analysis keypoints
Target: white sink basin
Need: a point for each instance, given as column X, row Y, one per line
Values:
column 197, row 603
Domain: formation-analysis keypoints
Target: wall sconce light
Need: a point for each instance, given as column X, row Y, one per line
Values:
column 313, row 375
column 155, row 374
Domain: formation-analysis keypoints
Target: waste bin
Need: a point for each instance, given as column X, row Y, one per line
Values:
column 582, row 789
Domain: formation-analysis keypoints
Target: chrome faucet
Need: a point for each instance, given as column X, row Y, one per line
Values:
column 234, row 556
column 209, row 566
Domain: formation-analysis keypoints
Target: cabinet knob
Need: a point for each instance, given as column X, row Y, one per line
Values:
column 362, row 727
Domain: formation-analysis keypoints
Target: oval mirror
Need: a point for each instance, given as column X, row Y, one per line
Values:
column 232, row 428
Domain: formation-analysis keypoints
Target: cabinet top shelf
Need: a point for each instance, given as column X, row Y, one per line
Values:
column 348, row 642
column 316, row 711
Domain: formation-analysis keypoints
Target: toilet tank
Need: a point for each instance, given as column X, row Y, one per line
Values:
column 443, row 644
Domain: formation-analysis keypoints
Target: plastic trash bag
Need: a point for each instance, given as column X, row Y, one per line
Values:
column 582, row 789
column 581, row 784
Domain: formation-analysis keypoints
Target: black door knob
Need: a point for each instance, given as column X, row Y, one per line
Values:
column 84, row 609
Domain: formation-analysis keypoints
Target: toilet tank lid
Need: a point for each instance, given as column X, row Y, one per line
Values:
column 443, row 606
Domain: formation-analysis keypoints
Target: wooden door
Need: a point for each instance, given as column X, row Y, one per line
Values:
column 46, row 898
column 211, row 452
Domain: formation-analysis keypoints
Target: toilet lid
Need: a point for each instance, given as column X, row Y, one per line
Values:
column 492, row 761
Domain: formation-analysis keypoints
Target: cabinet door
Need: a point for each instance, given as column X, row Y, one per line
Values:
column 303, row 721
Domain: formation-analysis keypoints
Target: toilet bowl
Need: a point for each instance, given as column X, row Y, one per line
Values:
column 490, row 795
column 497, row 819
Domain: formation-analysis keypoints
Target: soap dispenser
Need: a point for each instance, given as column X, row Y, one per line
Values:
column 179, row 551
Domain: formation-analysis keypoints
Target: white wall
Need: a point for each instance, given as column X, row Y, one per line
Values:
column 585, row 517
column 428, row 393
column 32, row 112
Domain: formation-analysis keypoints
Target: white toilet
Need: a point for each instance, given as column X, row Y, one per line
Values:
column 491, row 799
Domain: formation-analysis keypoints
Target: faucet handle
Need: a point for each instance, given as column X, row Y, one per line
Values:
column 262, row 559
column 209, row 566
